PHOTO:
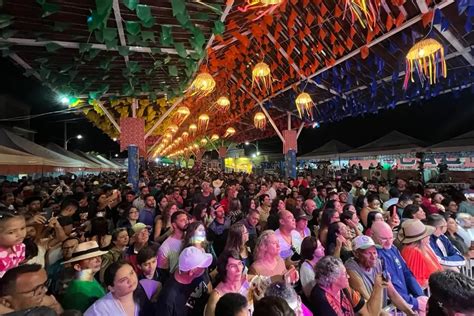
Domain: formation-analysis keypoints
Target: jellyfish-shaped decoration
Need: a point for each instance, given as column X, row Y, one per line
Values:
column 262, row 77
column 182, row 113
column 203, row 85
column 229, row 132
column 192, row 129
column 203, row 142
column 304, row 105
column 223, row 104
column 214, row 137
column 426, row 58
column 173, row 128
column 203, row 121
column 259, row 120
column 185, row 136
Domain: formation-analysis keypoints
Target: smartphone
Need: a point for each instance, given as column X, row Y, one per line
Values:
column 385, row 273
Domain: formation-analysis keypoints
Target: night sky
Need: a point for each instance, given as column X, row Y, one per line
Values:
column 432, row 121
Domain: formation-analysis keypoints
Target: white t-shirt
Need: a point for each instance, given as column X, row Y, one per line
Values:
column 307, row 278
column 168, row 253
column 272, row 193
column 285, row 248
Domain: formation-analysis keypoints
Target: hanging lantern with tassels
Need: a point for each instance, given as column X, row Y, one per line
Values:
column 365, row 11
column 182, row 113
column 229, row 132
column 262, row 76
column 259, row 120
column 173, row 128
column 192, row 129
column 203, row 142
column 214, row 137
column 185, row 136
column 223, row 104
column 426, row 58
column 304, row 105
column 203, row 85
column 203, row 121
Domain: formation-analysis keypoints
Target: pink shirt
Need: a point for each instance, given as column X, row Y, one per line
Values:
column 11, row 259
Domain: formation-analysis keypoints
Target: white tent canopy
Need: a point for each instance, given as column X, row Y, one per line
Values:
column 464, row 142
column 329, row 150
column 392, row 143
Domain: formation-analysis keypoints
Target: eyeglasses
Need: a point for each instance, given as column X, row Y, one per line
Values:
column 386, row 239
column 38, row 290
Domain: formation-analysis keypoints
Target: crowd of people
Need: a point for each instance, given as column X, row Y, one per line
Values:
column 204, row 242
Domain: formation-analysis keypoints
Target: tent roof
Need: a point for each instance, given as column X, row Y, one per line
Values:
column 16, row 142
column 58, row 149
column 330, row 148
column 464, row 142
column 92, row 158
column 392, row 143
column 108, row 162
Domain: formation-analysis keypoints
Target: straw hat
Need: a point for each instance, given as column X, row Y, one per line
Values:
column 217, row 183
column 86, row 250
column 413, row 230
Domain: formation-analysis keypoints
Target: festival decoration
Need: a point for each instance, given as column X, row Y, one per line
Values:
column 203, row 142
column 229, row 132
column 365, row 11
column 185, row 136
column 262, row 76
column 169, row 136
column 304, row 104
column 173, row 128
column 214, row 137
column 259, row 120
column 203, row 85
column 223, row 104
column 267, row 6
column 192, row 129
column 203, row 121
column 182, row 113
column 426, row 58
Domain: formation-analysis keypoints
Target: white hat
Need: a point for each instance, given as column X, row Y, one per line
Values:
column 86, row 250
column 192, row 258
column 362, row 242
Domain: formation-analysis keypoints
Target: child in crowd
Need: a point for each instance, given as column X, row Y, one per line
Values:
column 12, row 234
column 146, row 260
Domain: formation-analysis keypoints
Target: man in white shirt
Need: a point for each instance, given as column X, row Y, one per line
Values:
column 394, row 195
column 288, row 238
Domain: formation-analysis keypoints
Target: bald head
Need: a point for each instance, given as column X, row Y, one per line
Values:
column 382, row 234
column 309, row 206
column 287, row 220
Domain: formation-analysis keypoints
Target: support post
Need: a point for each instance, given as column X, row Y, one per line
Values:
column 289, row 149
column 133, row 165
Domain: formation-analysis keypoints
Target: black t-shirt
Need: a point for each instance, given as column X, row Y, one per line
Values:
column 201, row 199
column 174, row 297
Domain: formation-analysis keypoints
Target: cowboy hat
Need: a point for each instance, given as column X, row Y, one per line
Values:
column 217, row 183
column 85, row 250
column 413, row 230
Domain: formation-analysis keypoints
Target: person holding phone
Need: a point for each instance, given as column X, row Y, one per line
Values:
column 363, row 269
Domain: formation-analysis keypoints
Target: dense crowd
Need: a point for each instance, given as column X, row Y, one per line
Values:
column 203, row 242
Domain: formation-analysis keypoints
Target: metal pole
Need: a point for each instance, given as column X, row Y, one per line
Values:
column 65, row 135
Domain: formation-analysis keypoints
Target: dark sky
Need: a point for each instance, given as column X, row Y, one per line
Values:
column 431, row 121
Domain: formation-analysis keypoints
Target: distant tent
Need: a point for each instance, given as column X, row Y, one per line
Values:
column 391, row 144
column 56, row 148
column 166, row 160
column 327, row 151
column 13, row 161
column 108, row 162
column 104, row 166
column 13, row 141
column 464, row 142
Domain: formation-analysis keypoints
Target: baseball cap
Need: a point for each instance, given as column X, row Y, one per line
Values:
column 139, row 226
column 362, row 242
column 216, row 205
column 192, row 258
